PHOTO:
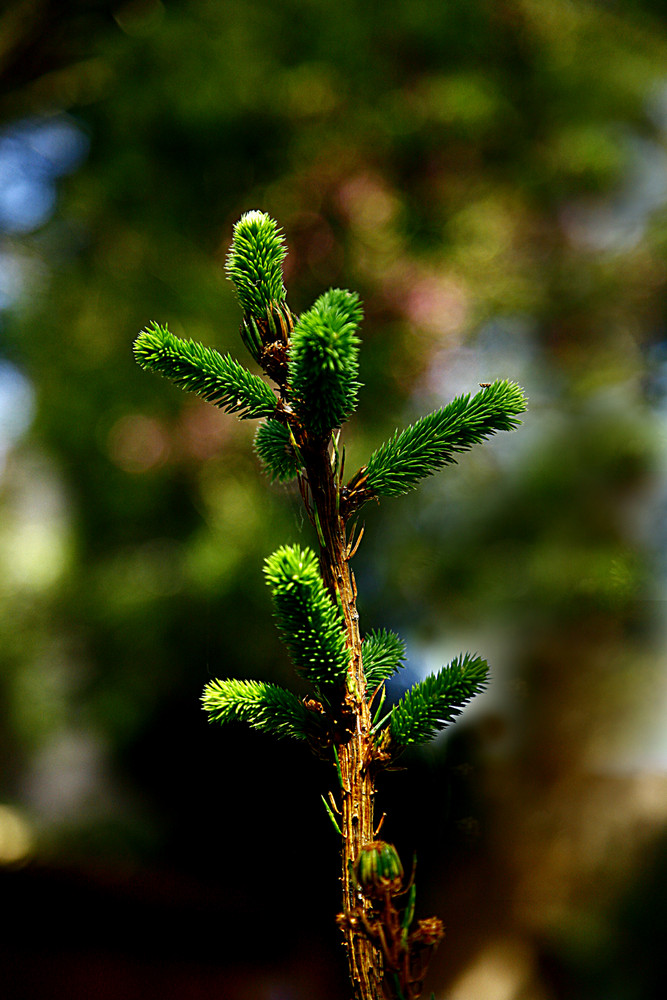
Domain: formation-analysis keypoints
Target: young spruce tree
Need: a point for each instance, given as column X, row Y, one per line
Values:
column 313, row 361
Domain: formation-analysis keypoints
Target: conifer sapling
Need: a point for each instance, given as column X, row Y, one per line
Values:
column 313, row 361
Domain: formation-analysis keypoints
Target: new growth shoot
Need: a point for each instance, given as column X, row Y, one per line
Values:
column 313, row 362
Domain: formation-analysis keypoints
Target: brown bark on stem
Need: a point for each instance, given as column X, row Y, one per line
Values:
column 355, row 748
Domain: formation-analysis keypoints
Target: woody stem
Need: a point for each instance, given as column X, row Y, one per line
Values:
column 355, row 744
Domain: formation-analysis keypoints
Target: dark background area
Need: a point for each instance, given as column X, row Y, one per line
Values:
column 491, row 177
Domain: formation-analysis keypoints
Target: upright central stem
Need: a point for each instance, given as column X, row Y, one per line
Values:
column 354, row 751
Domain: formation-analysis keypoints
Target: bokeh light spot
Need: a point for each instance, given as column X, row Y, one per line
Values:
column 33, row 153
column 138, row 443
column 16, row 839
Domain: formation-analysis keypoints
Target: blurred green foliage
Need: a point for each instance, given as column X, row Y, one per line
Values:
column 490, row 177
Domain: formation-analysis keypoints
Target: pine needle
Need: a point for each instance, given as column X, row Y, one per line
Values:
column 255, row 263
column 274, row 448
column 434, row 703
column 433, row 441
column 324, row 361
column 382, row 653
column 267, row 707
column 311, row 626
column 216, row 378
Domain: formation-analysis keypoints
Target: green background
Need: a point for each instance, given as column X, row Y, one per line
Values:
column 491, row 177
